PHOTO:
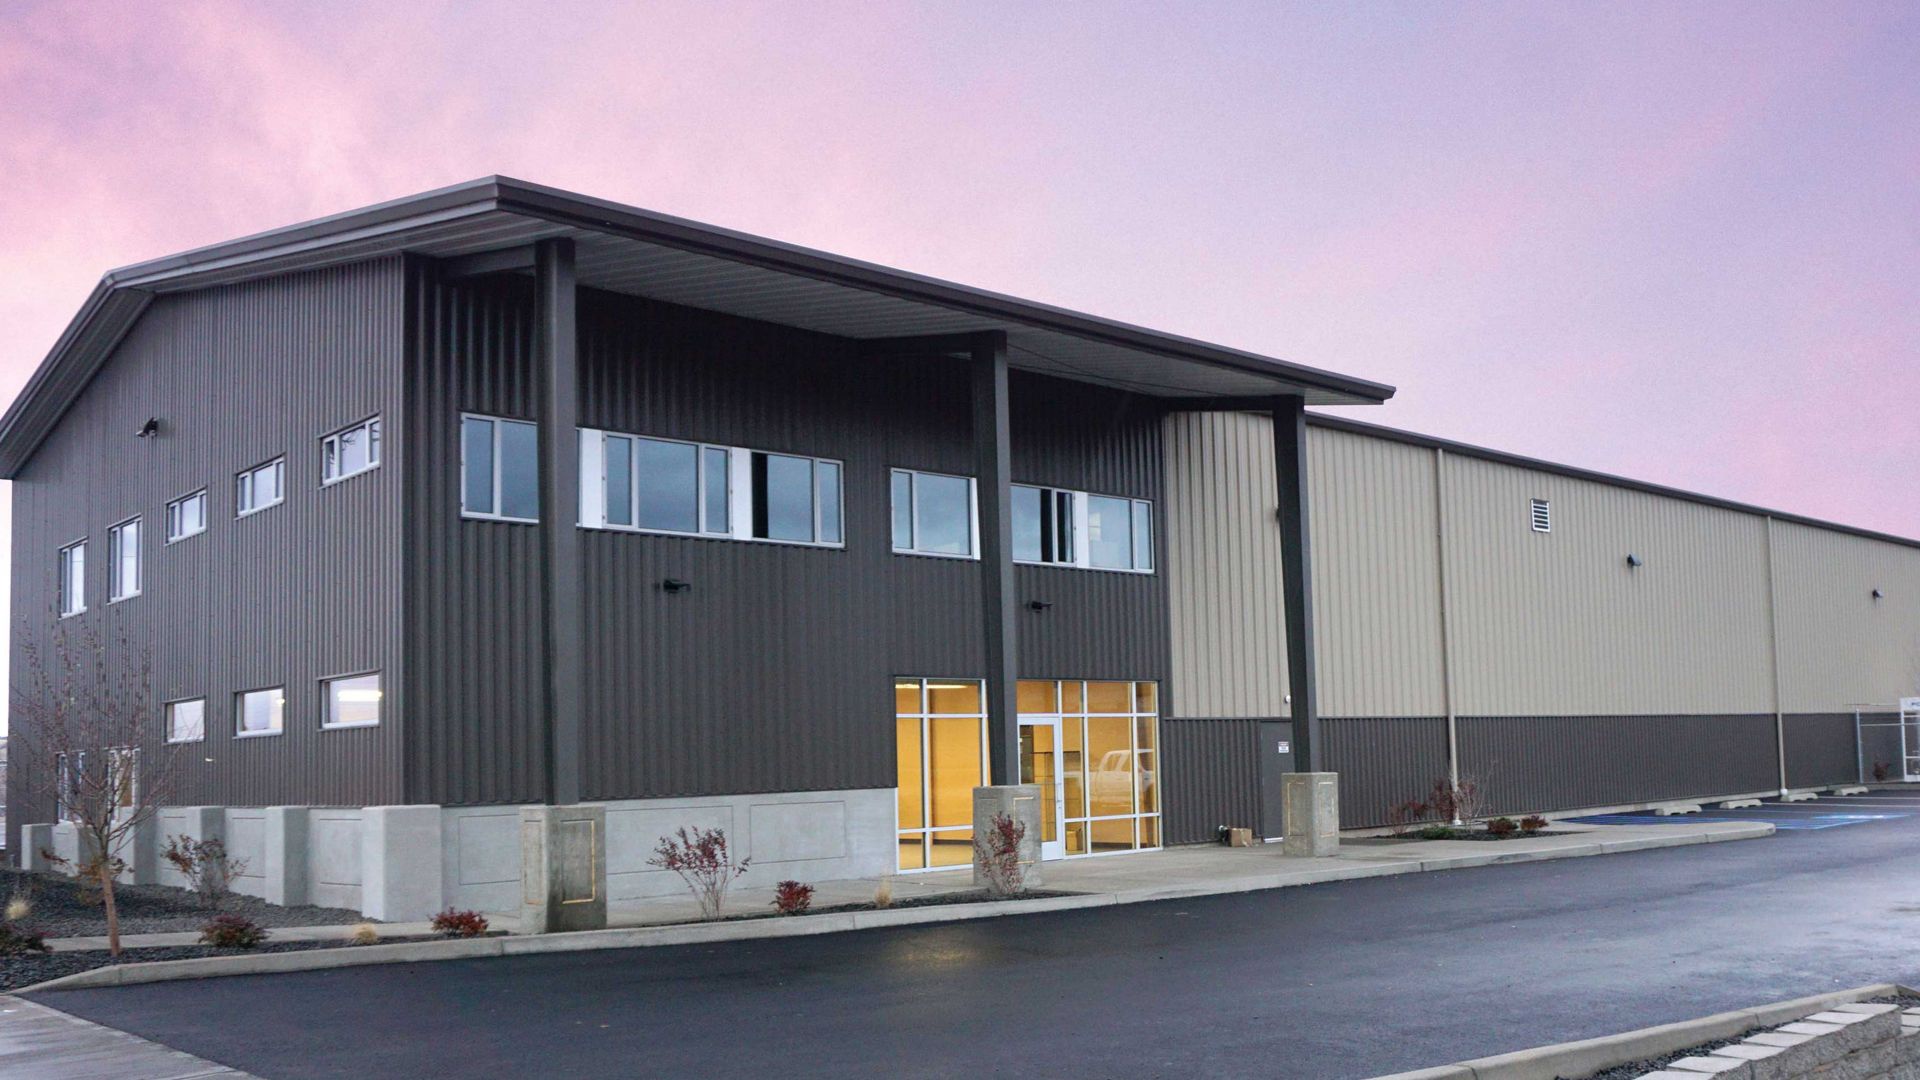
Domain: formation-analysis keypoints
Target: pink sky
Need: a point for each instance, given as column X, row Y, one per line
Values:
column 1675, row 242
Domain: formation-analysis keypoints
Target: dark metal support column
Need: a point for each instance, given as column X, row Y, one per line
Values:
column 556, row 354
column 992, row 444
column 1296, row 577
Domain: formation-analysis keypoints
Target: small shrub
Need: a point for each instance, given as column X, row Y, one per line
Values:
column 1532, row 823
column 1405, row 815
column 19, row 906
column 451, row 923
column 1437, row 832
column 1462, row 801
column 1502, row 826
column 883, row 894
column 232, row 932
column 19, row 941
column 365, row 934
column 792, row 898
column 205, row 864
column 701, row 858
column 1881, row 770
column 996, row 850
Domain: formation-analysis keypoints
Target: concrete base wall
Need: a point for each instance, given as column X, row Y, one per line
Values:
column 408, row 862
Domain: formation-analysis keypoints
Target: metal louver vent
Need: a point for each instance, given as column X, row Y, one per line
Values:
column 1542, row 516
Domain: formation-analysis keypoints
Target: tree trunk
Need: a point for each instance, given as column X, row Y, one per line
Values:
column 113, row 912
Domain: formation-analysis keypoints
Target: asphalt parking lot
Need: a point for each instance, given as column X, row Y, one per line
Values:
column 1349, row 979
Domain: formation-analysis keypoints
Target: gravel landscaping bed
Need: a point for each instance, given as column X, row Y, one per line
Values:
column 59, row 912
column 971, row 896
column 19, row 971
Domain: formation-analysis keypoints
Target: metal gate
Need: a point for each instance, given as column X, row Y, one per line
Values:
column 1910, row 738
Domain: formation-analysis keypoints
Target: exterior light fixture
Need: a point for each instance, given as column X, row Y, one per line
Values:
column 1633, row 562
column 148, row 429
column 1877, row 594
column 1038, row 605
column 674, row 585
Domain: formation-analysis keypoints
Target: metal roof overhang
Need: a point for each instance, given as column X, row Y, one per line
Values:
column 627, row 250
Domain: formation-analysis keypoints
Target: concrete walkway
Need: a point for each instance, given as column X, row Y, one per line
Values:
column 1133, row 878
column 37, row 1043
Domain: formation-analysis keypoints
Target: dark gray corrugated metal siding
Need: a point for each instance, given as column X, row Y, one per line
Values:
column 1528, row 763
column 1382, row 762
column 1821, row 749
column 1212, row 770
column 774, row 671
column 298, row 592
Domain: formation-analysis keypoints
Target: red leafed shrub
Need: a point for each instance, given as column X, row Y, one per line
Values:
column 1532, row 823
column 1880, row 772
column 232, row 932
column 701, row 858
column 451, row 923
column 1405, row 815
column 792, row 898
column 1501, row 826
column 997, row 851
column 19, row 941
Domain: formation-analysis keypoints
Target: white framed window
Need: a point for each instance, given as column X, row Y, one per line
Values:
column 123, row 560
column 73, row 578
column 187, row 516
column 499, row 469
column 260, row 712
column 350, row 701
column 934, row 514
column 1057, row 527
column 66, row 792
column 350, row 451
column 1540, row 515
column 262, row 486
column 186, row 720
column 642, row 483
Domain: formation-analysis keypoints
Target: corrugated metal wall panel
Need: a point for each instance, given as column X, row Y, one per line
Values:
column 1526, row 763
column 1559, row 624
column 1840, row 647
column 1376, row 576
column 1821, row 750
column 774, row 671
column 1383, row 762
column 308, row 589
column 1212, row 770
column 1223, row 563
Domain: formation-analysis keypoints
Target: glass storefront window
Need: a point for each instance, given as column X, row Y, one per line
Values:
column 941, row 737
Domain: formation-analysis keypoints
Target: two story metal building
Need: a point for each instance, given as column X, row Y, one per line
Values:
column 501, row 495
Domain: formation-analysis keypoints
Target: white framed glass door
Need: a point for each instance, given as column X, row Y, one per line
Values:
column 1040, row 766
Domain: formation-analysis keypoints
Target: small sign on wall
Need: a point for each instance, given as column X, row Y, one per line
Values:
column 1283, row 747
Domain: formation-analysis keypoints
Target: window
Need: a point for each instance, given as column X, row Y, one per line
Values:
column 350, row 451
column 351, row 701
column 933, row 513
column 1542, row 515
column 655, row 485
column 123, row 560
column 1074, row 528
column 1107, row 780
column 260, row 487
column 73, row 578
column 75, row 786
column 187, row 516
column 187, row 720
column 941, row 727
column 499, row 469
column 694, row 489
column 66, row 793
column 260, row 712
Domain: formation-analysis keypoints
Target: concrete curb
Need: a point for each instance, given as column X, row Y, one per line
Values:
column 830, row 923
column 1588, row 1056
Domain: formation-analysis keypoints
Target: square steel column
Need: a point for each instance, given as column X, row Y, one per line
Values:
column 556, row 358
column 1296, row 577
column 992, row 446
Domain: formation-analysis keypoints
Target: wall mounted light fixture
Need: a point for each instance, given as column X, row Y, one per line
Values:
column 1877, row 594
column 1633, row 561
column 148, row 429
column 1038, row 605
column 676, row 585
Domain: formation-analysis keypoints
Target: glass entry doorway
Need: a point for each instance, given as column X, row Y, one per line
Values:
column 1040, row 765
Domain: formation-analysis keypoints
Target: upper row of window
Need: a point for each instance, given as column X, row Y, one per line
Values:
column 344, row 453
column 644, row 484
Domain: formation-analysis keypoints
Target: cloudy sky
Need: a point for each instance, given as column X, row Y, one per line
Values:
column 1672, row 241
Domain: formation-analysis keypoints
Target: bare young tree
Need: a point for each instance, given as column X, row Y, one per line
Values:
column 83, row 716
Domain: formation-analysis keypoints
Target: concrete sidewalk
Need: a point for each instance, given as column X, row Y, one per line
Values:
column 1118, row 879
column 37, row 1043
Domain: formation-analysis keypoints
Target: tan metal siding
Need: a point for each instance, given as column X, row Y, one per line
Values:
column 1223, row 563
column 1558, row 624
column 1839, row 647
column 1376, row 567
